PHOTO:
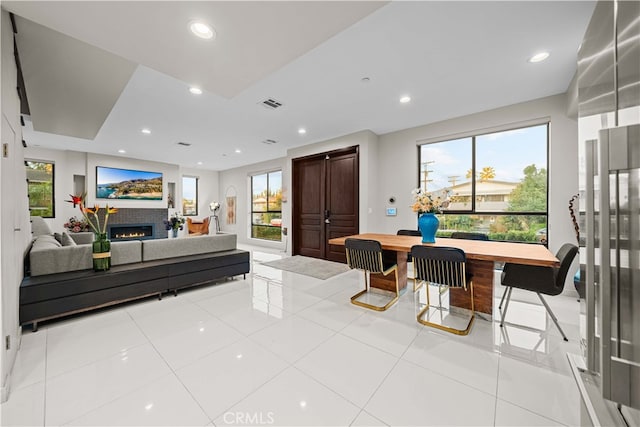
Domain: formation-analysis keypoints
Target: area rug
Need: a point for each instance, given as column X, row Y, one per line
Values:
column 318, row 268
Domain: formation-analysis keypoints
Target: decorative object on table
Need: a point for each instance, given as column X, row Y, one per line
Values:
column 198, row 226
column 115, row 183
column 174, row 223
column 230, row 203
column 576, row 278
column 76, row 225
column 231, row 209
column 101, row 244
column 427, row 205
column 574, row 220
column 214, row 207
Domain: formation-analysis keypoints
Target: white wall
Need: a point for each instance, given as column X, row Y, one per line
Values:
column 208, row 185
column 14, row 217
column 66, row 165
column 170, row 173
column 398, row 159
column 368, row 154
column 236, row 182
column 70, row 163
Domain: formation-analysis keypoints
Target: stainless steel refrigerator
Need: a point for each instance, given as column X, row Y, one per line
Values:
column 608, row 374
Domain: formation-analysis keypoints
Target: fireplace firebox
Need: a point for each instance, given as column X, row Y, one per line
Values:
column 119, row 232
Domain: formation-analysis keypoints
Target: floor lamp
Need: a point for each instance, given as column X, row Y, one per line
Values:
column 215, row 207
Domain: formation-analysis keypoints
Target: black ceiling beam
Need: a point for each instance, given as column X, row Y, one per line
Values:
column 22, row 91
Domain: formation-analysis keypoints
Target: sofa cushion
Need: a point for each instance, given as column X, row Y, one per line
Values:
column 39, row 227
column 126, row 252
column 66, row 240
column 184, row 246
column 82, row 237
column 45, row 241
column 48, row 258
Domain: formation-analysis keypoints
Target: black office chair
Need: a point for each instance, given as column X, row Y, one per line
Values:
column 538, row 279
column 442, row 266
column 366, row 255
column 469, row 236
column 415, row 233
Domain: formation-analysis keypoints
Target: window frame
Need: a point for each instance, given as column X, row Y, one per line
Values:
column 53, row 185
column 197, row 195
column 268, row 210
column 474, row 135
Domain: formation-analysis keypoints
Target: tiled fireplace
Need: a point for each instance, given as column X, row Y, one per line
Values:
column 131, row 232
column 136, row 217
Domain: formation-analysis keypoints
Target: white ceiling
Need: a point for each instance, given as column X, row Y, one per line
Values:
column 452, row 58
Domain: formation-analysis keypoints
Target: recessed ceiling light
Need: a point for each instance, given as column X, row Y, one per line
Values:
column 238, row 150
column 539, row 57
column 302, row 131
column 199, row 163
column 195, row 90
column 121, row 151
column 405, row 99
column 146, row 131
column 201, row 30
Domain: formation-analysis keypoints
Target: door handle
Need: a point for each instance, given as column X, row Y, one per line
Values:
column 327, row 221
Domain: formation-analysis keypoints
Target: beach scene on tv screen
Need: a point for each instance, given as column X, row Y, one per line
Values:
column 112, row 183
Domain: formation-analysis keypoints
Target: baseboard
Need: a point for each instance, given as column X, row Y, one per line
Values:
column 5, row 389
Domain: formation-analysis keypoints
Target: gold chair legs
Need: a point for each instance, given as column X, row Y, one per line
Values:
column 417, row 284
column 354, row 299
column 443, row 327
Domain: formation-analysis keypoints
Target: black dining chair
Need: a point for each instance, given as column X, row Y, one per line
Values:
column 538, row 279
column 414, row 233
column 442, row 266
column 367, row 255
column 468, row 235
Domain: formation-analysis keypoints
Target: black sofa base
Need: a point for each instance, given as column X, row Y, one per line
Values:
column 56, row 295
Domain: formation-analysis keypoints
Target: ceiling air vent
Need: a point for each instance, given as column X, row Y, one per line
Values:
column 271, row 103
column 269, row 142
column 184, row 144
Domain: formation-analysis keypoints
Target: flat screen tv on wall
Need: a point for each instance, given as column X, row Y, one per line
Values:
column 113, row 183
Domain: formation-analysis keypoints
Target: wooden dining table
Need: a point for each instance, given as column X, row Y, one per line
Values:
column 481, row 257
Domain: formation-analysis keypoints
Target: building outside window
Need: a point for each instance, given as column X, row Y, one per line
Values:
column 189, row 195
column 266, row 206
column 497, row 183
column 40, row 188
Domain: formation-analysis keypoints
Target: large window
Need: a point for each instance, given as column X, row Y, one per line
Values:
column 266, row 206
column 189, row 195
column 40, row 177
column 497, row 183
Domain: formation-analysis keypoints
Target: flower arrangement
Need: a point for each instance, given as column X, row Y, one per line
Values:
column 175, row 222
column 94, row 221
column 424, row 202
column 76, row 225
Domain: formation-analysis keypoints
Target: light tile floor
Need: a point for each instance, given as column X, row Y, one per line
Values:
column 281, row 348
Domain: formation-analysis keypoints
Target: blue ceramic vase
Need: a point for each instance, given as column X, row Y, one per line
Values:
column 428, row 224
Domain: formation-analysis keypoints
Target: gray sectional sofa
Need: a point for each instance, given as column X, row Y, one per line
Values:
column 62, row 281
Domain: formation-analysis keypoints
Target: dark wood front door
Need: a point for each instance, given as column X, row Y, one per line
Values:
column 325, row 202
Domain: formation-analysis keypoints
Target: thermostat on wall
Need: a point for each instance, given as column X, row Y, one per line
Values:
column 392, row 211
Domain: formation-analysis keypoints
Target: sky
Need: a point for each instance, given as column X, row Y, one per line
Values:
column 507, row 152
column 112, row 175
column 189, row 188
column 260, row 182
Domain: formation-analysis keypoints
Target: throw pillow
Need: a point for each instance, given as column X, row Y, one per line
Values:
column 45, row 242
column 66, row 240
column 39, row 227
